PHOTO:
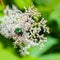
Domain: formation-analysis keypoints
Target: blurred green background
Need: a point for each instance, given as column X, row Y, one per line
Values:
column 50, row 10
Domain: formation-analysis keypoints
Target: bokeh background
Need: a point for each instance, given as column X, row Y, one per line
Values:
column 50, row 10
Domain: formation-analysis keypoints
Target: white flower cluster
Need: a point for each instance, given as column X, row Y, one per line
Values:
column 21, row 26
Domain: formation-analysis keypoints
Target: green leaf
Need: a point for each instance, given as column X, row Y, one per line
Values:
column 1, row 10
column 55, row 56
column 5, row 55
column 1, row 46
column 55, row 15
column 22, row 3
column 42, row 2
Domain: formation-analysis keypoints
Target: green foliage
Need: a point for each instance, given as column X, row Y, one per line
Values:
column 55, row 56
column 56, row 15
column 22, row 3
column 1, row 10
column 50, row 10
